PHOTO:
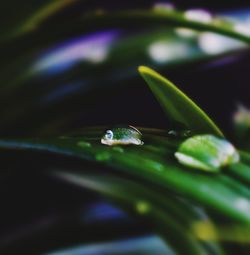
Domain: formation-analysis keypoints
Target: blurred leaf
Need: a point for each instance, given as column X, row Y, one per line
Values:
column 160, row 169
column 148, row 245
column 28, row 15
column 177, row 105
column 168, row 18
column 165, row 213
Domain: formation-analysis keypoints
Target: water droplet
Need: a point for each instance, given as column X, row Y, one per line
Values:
column 103, row 156
column 198, row 15
column 123, row 136
column 182, row 133
column 158, row 166
column 154, row 165
column 186, row 133
column 84, row 144
column 142, row 207
column 172, row 133
column 118, row 149
column 207, row 152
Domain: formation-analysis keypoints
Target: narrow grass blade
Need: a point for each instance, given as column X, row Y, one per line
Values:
column 177, row 105
column 150, row 168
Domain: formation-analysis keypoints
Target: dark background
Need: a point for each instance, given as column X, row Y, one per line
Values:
column 217, row 86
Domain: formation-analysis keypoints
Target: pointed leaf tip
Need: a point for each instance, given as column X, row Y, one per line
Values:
column 144, row 69
column 178, row 106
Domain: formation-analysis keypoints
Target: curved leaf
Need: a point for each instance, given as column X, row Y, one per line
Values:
column 165, row 214
column 177, row 105
column 142, row 162
column 168, row 18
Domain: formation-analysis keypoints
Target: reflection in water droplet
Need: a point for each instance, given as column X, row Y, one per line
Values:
column 199, row 15
column 142, row 207
column 118, row 149
column 103, row 156
column 84, row 144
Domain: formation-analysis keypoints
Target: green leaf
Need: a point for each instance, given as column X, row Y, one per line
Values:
column 28, row 15
column 177, row 105
column 165, row 213
column 152, row 164
column 167, row 18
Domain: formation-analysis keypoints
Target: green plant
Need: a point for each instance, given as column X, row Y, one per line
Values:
column 180, row 204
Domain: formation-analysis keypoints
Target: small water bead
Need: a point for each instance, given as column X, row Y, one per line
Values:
column 84, row 144
column 180, row 133
column 118, row 149
column 186, row 133
column 103, row 156
column 172, row 133
column 123, row 136
column 207, row 152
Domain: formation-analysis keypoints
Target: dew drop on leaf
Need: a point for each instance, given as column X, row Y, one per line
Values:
column 207, row 152
column 103, row 156
column 118, row 149
column 122, row 136
column 84, row 144
column 172, row 133
column 181, row 134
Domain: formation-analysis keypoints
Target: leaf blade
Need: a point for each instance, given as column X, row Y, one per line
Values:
column 177, row 105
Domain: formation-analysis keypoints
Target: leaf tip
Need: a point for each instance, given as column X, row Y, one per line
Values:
column 144, row 69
